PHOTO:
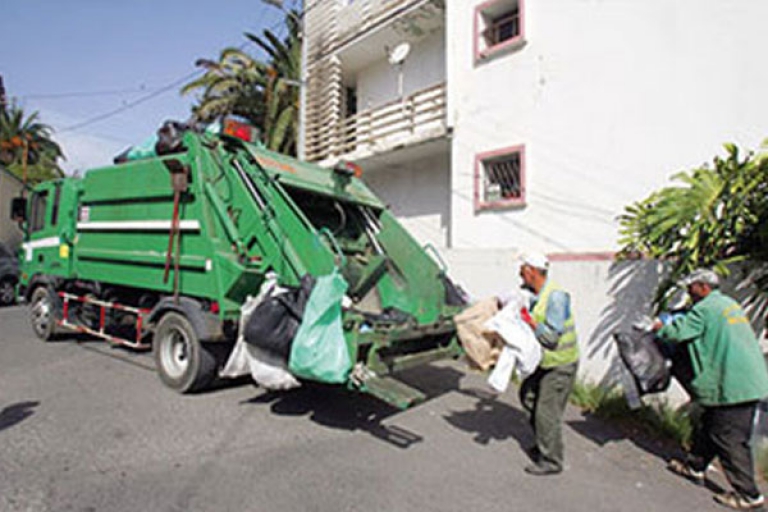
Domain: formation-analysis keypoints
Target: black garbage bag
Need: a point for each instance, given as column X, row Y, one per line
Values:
column 273, row 323
column 644, row 360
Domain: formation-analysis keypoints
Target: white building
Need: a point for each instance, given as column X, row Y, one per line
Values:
column 10, row 187
column 499, row 125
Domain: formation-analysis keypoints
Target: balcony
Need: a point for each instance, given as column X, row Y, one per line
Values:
column 411, row 120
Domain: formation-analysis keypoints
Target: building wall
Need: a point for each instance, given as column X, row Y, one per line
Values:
column 424, row 66
column 606, row 296
column 418, row 195
column 10, row 187
column 609, row 99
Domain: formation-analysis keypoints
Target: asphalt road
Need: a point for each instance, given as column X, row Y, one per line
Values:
column 84, row 427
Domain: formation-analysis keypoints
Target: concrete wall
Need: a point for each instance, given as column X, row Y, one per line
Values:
column 10, row 187
column 607, row 297
column 418, row 195
column 609, row 99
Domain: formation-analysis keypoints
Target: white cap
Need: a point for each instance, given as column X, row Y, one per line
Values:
column 535, row 260
column 701, row 275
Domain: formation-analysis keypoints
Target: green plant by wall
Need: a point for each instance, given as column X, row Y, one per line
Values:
column 659, row 420
column 711, row 216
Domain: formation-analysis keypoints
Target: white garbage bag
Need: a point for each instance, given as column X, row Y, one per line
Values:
column 267, row 370
column 522, row 352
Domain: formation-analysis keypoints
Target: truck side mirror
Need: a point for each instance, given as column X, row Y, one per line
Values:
column 19, row 209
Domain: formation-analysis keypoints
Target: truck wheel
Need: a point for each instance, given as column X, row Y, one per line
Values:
column 7, row 292
column 42, row 314
column 183, row 363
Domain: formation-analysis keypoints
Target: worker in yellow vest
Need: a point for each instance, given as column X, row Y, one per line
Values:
column 544, row 394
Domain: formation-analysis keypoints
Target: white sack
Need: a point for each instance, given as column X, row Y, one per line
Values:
column 267, row 370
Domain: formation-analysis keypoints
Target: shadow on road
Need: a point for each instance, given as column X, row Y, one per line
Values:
column 339, row 408
column 16, row 413
column 492, row 419
column 601, row 433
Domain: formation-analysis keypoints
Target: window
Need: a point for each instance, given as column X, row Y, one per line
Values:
column 56, row 200
column 498, row 27
column 39, row 206
column 500, row 178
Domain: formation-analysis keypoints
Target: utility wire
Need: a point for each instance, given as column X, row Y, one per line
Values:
column 131, row 104
column 152, row 94
column 82, row 94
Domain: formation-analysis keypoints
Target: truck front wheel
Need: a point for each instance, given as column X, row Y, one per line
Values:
column 182, row 361
column 42, row 313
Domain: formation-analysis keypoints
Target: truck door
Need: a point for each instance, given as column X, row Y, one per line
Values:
column 44, row 250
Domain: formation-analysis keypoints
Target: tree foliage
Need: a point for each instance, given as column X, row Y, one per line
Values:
column 26, row 137
column 712, row 216
column 266, row 93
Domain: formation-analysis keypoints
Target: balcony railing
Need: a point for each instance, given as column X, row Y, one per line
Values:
column 411, row 119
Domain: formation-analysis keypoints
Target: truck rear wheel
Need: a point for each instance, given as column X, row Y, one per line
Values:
column 42, row 313
column 182, row 361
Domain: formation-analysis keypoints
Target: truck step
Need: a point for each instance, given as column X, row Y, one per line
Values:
column 393, row 391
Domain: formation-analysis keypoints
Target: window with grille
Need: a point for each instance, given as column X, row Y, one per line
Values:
column 499, row 178
column 498, row 26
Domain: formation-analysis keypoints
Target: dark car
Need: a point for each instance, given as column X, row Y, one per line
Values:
column 9, row 276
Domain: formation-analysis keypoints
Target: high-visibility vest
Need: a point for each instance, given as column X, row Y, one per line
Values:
column 567, row 349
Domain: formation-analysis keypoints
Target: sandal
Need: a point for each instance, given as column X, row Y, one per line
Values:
column 681, row 468
column 735, row 501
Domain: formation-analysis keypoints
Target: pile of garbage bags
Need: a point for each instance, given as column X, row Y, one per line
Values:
column 288, row 333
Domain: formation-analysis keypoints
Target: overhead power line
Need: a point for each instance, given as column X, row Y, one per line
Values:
column 131, row 104
column 147, row 97
column 83, row 94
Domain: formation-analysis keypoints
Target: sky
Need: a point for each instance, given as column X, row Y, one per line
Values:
column 75, row 61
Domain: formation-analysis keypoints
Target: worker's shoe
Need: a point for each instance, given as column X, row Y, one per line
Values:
column 533, row 453
column 681, row 468
column 738, row 502
column 543, row 468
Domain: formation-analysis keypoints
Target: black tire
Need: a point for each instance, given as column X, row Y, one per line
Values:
column 183, row 363
column 42, row 309
column 7, row 292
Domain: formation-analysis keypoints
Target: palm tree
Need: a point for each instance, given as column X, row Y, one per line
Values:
column 714, row 217
column 26, row 146
column 264, row 93
column 232, row 85
column 281, row 93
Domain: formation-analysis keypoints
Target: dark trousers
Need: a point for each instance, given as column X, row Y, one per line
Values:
column 725, row 433
column 544, row 395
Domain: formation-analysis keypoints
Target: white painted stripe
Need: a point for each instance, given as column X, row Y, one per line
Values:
column 137, row 225
column 29, row 247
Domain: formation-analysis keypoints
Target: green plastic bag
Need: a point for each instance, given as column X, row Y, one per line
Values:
column 319, row 351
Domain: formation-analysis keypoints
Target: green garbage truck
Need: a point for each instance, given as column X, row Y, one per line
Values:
column 160, row 252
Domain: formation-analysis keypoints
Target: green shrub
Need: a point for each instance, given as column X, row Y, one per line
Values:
column 659, row 420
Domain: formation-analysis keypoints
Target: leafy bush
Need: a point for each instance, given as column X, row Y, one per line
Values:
column 658, row 420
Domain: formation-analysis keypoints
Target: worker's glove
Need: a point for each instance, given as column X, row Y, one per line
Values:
column 525, row 316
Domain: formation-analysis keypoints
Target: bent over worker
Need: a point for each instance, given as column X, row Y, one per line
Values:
column 729, row 378
column 544, row 394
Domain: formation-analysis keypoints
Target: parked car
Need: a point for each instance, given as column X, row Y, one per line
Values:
column 9, row 276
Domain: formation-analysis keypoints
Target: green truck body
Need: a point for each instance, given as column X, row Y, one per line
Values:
column 185, row 237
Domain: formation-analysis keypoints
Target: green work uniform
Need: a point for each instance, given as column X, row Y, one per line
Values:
column 728, row 365
column 545, row 393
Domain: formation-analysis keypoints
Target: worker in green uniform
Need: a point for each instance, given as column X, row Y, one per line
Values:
column 729, row 378
column 544, row 394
